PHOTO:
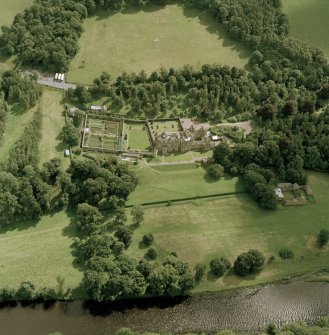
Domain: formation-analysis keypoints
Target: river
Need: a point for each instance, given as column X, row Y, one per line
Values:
column 245, row 309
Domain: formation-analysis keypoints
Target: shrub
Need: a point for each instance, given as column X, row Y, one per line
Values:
column 323, row 237
column 249, row 262
column 219, row 266
column 215, row 171
column 200, row 270
column 151, row 253
column 148, row 239
column 286, row 254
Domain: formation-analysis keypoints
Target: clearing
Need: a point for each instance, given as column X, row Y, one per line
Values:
column 170, row 182
column 133, row 40
column 51, row 145
column 137, row 138
column 228, row 226
column 309, row 21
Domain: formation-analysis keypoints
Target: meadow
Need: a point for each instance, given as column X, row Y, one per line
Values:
column 309, row 21
column 135, row 40
column 51, row 145
column 230, row 225
column 39, row 252
column 170, row 182
column 137, row 138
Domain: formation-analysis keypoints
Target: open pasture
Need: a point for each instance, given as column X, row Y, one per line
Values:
column 170, row 182
column 39, row 252
column 309, row 21
column 137, row 137
column 134, row 40
column 230, row 225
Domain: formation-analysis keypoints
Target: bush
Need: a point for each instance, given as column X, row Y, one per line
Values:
column 249, row 262
column 148, row 239
column 219, row 266
column 151, row 253
column 323, row 237
column 200, row 270
column 215, row 171
column 286, row 254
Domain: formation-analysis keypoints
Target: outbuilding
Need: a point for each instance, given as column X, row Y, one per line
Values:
column 67, row 153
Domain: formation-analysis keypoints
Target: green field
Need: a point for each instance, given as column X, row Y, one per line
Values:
column 165, row 126
column 169, row 182
column 231, row 225
column 51, row 145
column 309, row 21
column 137, row 136
column 39, row 252
column 145, row 40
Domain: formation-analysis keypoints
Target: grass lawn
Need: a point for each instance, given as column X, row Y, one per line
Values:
column 137, row 136
column 231, row 225
column 51, row 145
column 309, row 21
column 38, row 252
column 17, row 119
column 164, row 126
column 168, row 36
column 169, row 182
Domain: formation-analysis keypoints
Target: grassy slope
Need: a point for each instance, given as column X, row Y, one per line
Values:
column 309, row 21
column 229, row 226
column 53, row 121
column 178, row 181
column 38, row 252
column 8, row 10
column 125, row 42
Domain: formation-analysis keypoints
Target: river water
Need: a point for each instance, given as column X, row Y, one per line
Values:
column 245, row 309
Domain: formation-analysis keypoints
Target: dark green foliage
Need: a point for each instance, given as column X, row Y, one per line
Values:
column 3, row 115
column 78, row 118
column 151, row 253
column 323, row 237
column 25, row 151
column 286, row 254
column 51, row 171
column 200, row 271
column 70, row 135
column 46, row 34
column 124, row 234
column 89, row 218
column 148, row 239
column 219, row 266
column 215, row 171
column 249, row 262
column 20, row 88
column 271, row 329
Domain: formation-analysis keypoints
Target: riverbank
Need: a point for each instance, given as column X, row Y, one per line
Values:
column 279, row 304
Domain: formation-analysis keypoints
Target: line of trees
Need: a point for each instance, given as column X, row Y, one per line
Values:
column 21, row 88
column 3, row 115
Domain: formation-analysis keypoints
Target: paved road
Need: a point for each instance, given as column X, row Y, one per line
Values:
column 48, row 81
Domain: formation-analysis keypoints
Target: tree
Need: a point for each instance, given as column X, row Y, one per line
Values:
column 219, row 266
column 124, row 234
column 215, row 171
column 89, row 218
column 271, row 329
column 323, row 237
column 249, row 262
column 137, row 214
column 151, row 253
column 221, row 153
column 200, row 271
column 70, row 135
column 148, row 239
